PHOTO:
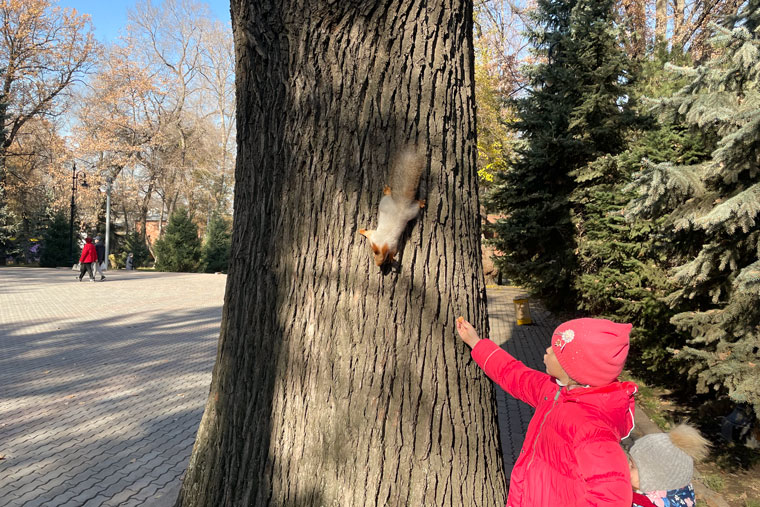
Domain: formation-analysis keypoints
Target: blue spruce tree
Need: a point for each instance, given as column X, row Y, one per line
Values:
column 622, row 264
column 713, row 209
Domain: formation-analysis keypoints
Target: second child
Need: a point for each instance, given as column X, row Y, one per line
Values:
column 662, row 467
column 572, row 454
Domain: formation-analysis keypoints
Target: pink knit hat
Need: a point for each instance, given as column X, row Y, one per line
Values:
column 591, row 351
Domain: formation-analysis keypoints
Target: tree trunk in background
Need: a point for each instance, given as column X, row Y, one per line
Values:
column 636, row 33
column 337, row 383
column 660, row 20
column 678, row 21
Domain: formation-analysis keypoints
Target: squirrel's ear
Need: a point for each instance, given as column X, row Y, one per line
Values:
column 364, row 233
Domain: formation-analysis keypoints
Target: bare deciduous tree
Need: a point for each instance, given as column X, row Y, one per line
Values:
column 43, row 51
column 218, row 71
column 162, row 109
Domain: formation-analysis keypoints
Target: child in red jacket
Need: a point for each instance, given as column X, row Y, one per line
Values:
column 572, row 454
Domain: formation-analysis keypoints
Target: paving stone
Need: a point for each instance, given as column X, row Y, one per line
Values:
column 26, row 489
column 119, row 499
column 166, row 496
column 56, row 482
column 95, row 502
column 134, row 502
column 52, row 496
column 62, row 499
column 166, row 478
column 147, row 492
column 161, row 470
column 113, row 489
column 71, row 503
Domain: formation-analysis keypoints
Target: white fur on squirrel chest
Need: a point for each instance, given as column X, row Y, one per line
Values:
column 392, row 219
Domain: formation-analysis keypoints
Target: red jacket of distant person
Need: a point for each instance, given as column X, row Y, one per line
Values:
column 88, row 252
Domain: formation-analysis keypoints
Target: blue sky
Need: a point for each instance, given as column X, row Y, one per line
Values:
column 110, row 16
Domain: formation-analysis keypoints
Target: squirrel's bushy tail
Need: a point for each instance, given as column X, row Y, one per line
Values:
column 405, row 176
column 690, row 441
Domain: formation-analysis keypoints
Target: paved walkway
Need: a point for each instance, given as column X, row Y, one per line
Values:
column 526, row 343
column 102, row 385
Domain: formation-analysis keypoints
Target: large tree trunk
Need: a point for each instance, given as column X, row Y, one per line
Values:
column 336, row 382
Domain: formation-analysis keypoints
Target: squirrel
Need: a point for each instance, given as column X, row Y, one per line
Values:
column 397, row 207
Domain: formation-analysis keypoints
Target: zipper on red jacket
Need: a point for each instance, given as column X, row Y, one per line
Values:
column 538, row 434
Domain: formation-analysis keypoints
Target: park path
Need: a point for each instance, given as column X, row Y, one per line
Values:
column 102, row 385
column 528, row 344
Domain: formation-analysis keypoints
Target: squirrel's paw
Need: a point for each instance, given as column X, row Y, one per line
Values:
column 421, row 202
column 386, row 190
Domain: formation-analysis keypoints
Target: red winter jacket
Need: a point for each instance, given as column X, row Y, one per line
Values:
column 88, row 253
column 571, row 455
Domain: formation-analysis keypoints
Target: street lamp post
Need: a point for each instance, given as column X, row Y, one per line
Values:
column 109, row 180
column 75, row 176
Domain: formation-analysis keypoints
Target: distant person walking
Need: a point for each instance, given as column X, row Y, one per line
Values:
column 130, row 261
column 89, row 255
column 99, row 264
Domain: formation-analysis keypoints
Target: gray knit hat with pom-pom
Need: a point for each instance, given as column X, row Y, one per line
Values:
column 666, row 460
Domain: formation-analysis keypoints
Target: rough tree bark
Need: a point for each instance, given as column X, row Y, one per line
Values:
column 679, row 8
column 660, row 20
column 337, row 383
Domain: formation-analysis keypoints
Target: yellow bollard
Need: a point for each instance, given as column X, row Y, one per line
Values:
column 522, row 310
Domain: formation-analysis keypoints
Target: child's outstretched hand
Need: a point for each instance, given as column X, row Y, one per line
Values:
column 467, row 332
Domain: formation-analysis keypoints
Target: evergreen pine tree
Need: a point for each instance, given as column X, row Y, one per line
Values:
column 571, row 115
column 215, row 253
column 714, row 208
column 134, row 243
column 55, row 246
column 7, row 220
column 7, row 227
column 180, row 248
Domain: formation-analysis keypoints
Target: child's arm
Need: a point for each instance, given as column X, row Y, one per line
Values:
column 523, row 383
column 604, row 468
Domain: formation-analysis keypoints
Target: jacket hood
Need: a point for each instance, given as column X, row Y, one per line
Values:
column 614, row 403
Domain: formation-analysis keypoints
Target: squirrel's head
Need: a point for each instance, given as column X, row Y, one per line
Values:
column 380, row 253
